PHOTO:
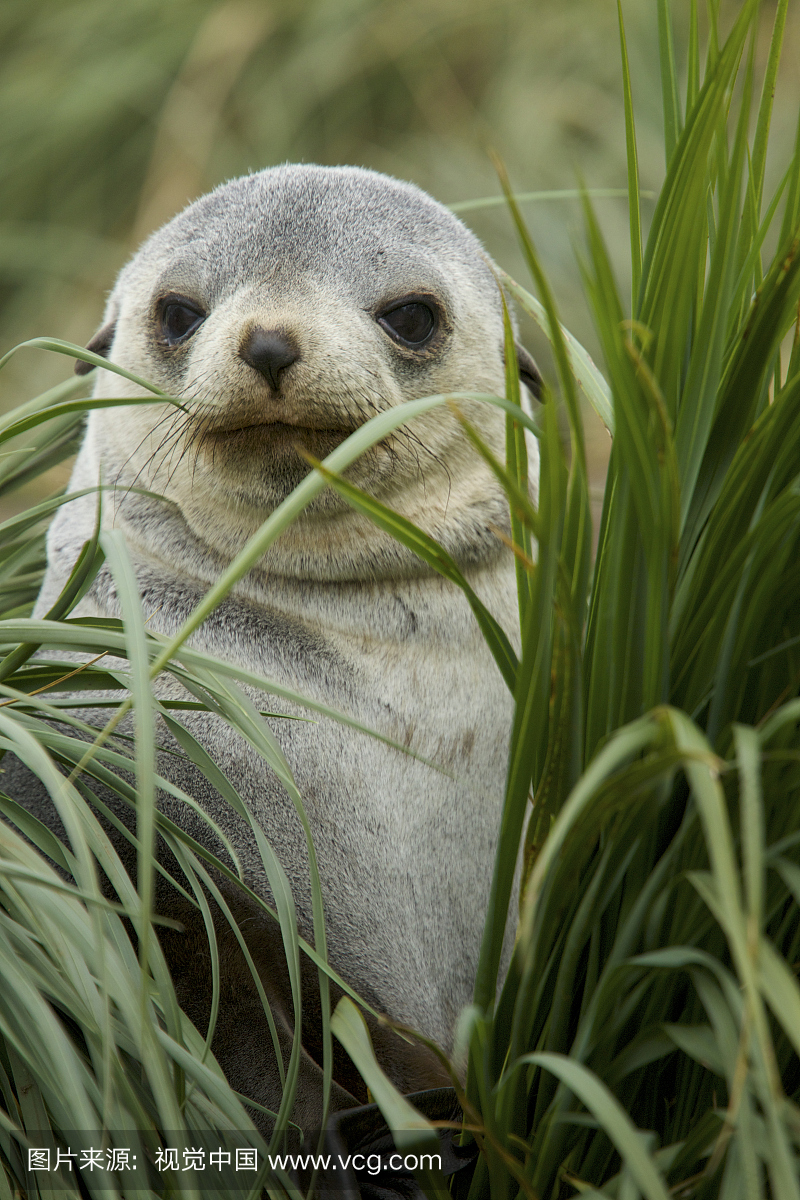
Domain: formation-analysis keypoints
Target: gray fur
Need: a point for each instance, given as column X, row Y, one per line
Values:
column 337, row 609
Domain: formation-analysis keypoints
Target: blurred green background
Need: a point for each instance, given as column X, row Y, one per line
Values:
column 115, row 113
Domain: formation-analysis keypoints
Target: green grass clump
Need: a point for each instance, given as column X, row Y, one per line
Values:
column 646, row 1039
column 654, row 982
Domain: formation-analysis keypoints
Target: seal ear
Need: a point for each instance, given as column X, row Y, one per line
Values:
column 101, row 344
column 528, row 372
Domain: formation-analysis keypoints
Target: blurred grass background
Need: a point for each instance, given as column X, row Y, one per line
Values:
column 114, row 115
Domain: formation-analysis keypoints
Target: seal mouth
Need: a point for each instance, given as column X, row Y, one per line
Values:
column 276, row 438
column 278, row 428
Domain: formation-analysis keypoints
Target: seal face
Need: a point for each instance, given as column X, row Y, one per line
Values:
column 287, row 308
column 284, row 310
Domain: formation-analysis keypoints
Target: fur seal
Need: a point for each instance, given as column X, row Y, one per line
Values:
column 286, row 308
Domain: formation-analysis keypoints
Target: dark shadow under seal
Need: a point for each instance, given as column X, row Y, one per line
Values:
column 363, row 1131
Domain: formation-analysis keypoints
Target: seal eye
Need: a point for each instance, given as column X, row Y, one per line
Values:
column 179, row 321
column 412, row 324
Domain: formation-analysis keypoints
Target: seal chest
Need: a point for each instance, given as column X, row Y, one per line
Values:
column 285, row 309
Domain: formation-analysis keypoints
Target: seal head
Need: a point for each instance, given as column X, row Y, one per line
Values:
column 285, row 309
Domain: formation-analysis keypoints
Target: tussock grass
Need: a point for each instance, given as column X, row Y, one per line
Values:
column 646, row 1037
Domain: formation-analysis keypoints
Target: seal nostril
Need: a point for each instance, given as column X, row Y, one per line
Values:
column 269, row 351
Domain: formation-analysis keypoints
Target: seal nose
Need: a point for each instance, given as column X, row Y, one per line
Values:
column 269, row 351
